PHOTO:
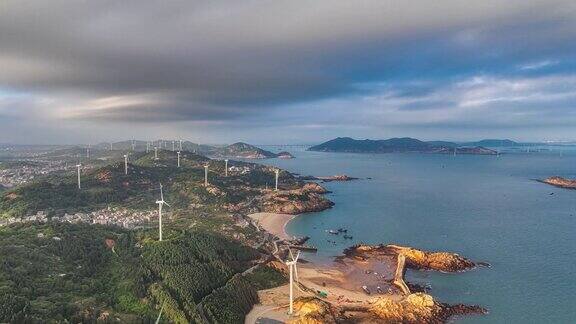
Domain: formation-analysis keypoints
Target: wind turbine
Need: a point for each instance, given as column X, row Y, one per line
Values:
column 226, row 167
column 293, row 271
column 161, row 203
column 206, row 175
column 79, row 165
column 155, row 153
column 126, row 164
column 133, row 146
column 147, row 146
column 111, row 146
column 159, row 315
column 178, row 158
column 180, row 145
column 277, row 171
column 88, row 152
column 173, row 146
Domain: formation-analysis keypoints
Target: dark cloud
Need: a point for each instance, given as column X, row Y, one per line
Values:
column 153, row 61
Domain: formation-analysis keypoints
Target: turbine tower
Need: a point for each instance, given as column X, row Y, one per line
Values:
column 206, row 175
column 178, row 158
column 173, row 146
column 226, row 167
column 160, row 203
column 277, row 171
column 133, row 146
column 88, row 152
column 111, row 147
column 180, row 145
column 79, row 165
column 293, row 271
column 147, row 146
column 126, row 164
column 155, row 153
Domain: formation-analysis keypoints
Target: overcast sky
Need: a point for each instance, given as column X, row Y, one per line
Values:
column 286, row 71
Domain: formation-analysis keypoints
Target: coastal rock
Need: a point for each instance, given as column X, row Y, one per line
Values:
column 314, row 187
column 311, row 310
column 560, row 182
column 415, row 259
column 295, row 202
column 307, row 198
column 417, row 308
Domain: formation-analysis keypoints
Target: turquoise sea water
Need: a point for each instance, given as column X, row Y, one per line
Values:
column 486, row 208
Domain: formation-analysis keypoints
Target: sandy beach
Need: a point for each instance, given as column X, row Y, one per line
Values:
column 274, row 223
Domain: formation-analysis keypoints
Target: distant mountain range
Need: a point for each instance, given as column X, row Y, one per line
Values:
column 407, row 144
column 238, row 150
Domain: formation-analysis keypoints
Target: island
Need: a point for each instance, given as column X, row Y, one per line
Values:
column 285, row 155
column 560, row 182
column 399, row 145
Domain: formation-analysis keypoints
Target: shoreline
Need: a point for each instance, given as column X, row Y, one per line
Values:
column 274, row 223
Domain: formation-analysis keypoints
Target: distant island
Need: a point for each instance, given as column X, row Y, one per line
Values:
column 285, row 155
column 405, row 145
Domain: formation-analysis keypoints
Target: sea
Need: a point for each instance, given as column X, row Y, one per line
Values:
column 486, row 208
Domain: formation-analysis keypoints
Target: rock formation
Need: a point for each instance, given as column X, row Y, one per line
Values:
column 560, row 182
column 417, row 308
column 311, row 310
column 415, row 259
column 308, row 198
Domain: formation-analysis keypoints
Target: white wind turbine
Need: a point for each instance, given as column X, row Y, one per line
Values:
column 161, row 203
column 277, row 171
column 178, row 158
column 111, row 147
column 79, row 165
column 206, row 175
column 226, row 167
column 88, row 152
column 126, row 164
column 293, row 272
column 173, row 146
column 147, row 146
column 180, row 145
column 155, row 153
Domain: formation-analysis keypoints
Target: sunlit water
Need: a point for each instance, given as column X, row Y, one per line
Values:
column 486, row 208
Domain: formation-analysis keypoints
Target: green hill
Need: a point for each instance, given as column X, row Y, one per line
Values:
column 57, row 273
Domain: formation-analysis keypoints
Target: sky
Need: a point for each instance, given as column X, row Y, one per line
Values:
column 286, row 71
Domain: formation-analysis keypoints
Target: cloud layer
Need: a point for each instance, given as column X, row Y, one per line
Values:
column 220, row 65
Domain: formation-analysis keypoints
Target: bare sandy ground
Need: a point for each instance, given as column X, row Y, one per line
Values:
column 273, row 223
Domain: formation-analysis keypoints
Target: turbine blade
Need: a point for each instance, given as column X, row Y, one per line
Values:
column 167, row 204
column 160, row 314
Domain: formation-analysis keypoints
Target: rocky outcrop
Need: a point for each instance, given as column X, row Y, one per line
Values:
column 314, row 188
column 415, row 259
column 338, row 177
column 417, row 308
column 560, row 182
column 306, row 199
column 311, row 310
